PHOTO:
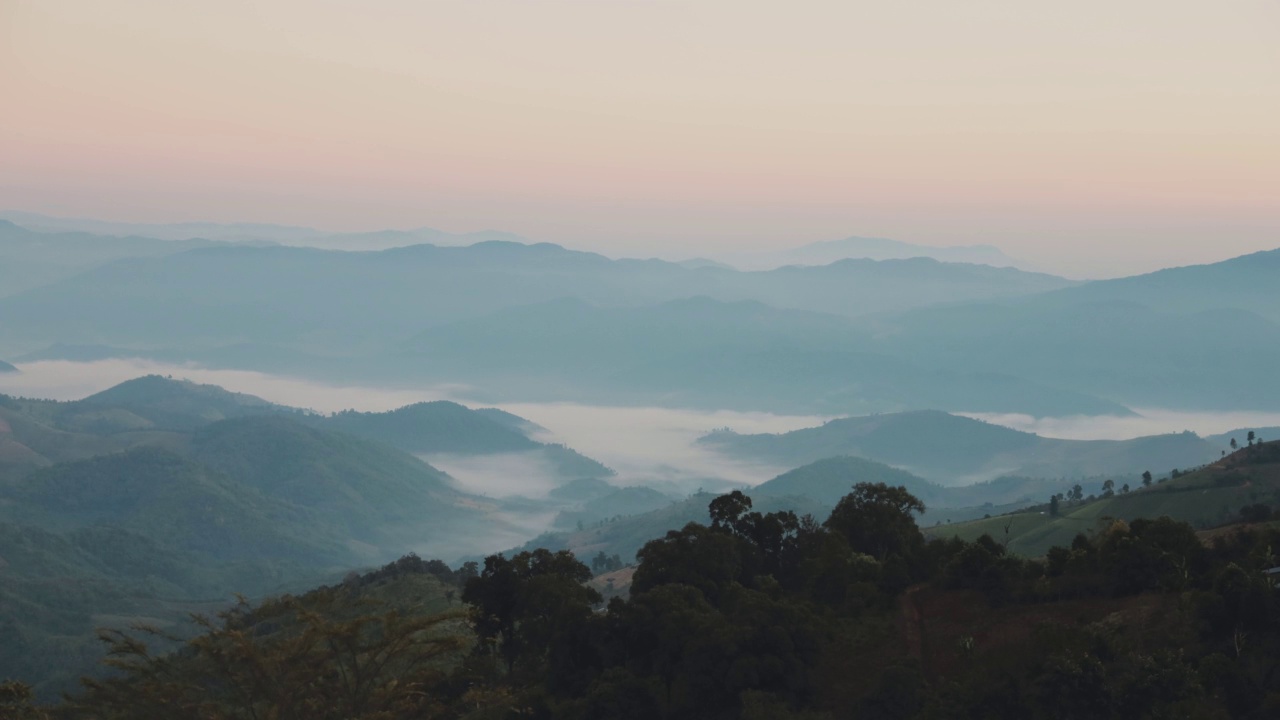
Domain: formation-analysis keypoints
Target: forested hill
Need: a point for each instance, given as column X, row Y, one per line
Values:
column 951, row 449
column 434, row 427
column 155, row 404
column 172, row 404
column 757, row 615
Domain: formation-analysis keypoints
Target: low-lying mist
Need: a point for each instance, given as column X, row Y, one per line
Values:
column 1146, row 422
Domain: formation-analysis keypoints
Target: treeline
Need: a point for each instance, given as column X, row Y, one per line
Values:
column 766, row 615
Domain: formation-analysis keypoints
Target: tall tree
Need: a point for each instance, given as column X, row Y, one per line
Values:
column 878, row 520
column 522, row 604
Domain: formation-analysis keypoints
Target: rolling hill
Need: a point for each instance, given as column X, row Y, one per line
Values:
column 955, row 450
column 1204, row 498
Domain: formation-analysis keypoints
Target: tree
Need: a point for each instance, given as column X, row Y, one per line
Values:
column 1146, row 478
column 1108, row 488
column 524, row 603
column 283, row 659
column 1124, row 488
column 1250, row 438
column 1053, row 506
column 1076, row 493
column 1234, row 444
column 16, row 702
column 877, row 519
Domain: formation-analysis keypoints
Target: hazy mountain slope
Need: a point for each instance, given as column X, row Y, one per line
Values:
column 342, row 302
column 1122, row 350
column 432, row 427
column 826, row 481
column 173, row 404
column 173, row 501
column 955, row 450
column 1205, row 498
column 701, row 352
column 231, row 232
column 372, row 491
column 1244, row 283
column 6, row 367
column 389, row 239
column 30, row 259
column 443, row 427
column 29, row 441
column 829, row 251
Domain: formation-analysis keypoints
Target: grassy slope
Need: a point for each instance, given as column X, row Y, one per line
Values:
column 1205, row 498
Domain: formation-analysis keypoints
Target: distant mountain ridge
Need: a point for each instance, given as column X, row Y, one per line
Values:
column 873, row 248
column 196, row 297
column 255, row 232
column 954, row 450
column 701, row 352
column 151, row 408
column 30, row 259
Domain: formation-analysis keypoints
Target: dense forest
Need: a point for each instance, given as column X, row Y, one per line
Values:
column 753, row 615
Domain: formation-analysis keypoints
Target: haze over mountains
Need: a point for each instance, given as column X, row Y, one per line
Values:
column 954, row 450
column 830, row 251
column 850, row 337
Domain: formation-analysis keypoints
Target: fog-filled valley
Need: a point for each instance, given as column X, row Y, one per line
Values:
column 508, row 360
column 260, row 410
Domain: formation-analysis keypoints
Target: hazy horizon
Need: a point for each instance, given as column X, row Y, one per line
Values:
column 1088, row 140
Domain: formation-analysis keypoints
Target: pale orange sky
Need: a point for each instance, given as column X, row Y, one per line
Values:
column 1088, row 137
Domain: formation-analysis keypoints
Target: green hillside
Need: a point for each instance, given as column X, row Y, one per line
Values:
column 107, row 521
column 1204, row 498
column 449, row 428
column 169, row 404
column 176, row 502
column 434, row 427
column 372, row 491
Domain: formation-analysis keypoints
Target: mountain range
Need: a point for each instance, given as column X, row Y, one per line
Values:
column 541, row 322
column 954, row 450
column 158, row 497
column 870, row 248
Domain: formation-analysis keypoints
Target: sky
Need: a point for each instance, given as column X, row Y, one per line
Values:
column 1089, row 138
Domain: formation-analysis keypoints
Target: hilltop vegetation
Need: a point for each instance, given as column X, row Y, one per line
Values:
column 158, row 497
column 1205, row 498
column 760, row 615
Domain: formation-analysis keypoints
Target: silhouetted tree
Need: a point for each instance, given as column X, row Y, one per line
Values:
column 877, row 519
column 520, row 604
